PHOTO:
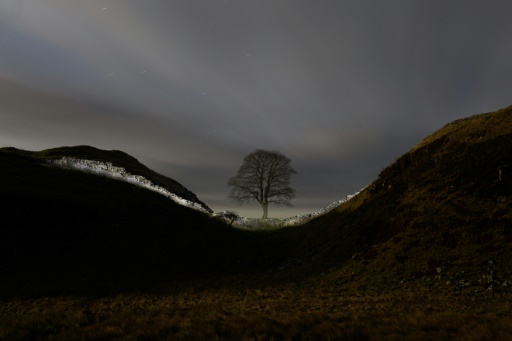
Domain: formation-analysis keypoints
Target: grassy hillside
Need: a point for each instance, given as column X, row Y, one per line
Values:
column 442, row 211
column 117, row 158
column 64, row 231
column 423, row 253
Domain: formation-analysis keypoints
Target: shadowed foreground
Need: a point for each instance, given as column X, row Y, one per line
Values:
column 285, row 314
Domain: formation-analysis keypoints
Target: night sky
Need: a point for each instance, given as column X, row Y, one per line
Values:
column 189, row 87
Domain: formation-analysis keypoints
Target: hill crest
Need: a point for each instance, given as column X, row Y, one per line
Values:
column 441, row 209
column 116, row 158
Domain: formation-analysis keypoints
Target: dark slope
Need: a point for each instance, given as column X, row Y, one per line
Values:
column 68, row 232
column 117, row 158
column 444, row 206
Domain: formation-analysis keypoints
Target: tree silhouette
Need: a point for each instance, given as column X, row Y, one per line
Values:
column 229, row 217
column 264, row 177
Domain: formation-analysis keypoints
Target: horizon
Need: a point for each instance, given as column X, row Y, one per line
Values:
column 190, row 88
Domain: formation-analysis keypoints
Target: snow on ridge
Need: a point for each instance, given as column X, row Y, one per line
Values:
column 119, row 173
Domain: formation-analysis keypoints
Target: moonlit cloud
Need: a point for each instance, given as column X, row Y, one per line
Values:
column 190, row 87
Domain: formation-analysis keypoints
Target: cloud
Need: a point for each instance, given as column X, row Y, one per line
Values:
column 191, row 87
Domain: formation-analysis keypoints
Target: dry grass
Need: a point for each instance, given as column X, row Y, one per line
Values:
column 445, row 204
column 259, row 314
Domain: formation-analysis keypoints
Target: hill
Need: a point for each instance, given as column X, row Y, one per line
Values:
column 65, row 231
column 424, row 252
column 116, row 158
column 441, row 211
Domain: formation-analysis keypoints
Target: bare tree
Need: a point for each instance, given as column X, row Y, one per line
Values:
column 264, row 177
column 228, row 217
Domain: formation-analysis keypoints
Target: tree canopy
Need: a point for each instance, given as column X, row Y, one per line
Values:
column 264, row 177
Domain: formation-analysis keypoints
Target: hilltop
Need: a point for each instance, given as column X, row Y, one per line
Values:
column 423, row 252
column 116, row 158
column 67, row 231
column 441, row 211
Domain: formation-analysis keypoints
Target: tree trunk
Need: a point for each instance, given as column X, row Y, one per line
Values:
column 265, row 211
